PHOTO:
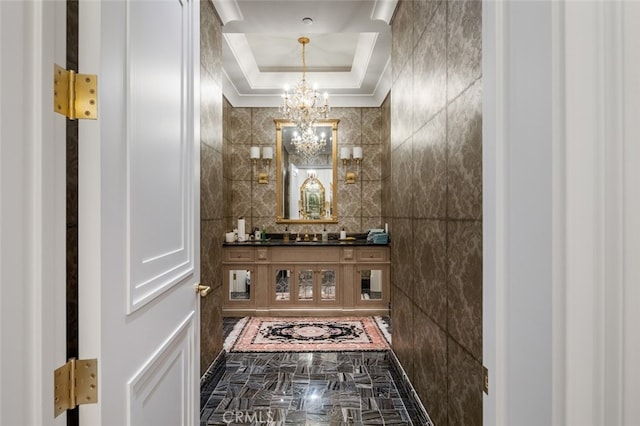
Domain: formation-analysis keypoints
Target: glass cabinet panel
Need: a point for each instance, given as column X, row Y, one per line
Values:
column 283, row 284
column 328, row 283
column 370, row 284
column 305, row 285
column 239, row 284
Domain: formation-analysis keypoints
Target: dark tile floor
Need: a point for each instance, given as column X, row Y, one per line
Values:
column 310, row 388
column 320, row 388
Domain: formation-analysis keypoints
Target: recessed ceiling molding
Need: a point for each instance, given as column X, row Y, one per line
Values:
column 266, row 99
column 228, row 10
column 245, row 60
column 383, row 10
column 362, row 57
column 241, row 51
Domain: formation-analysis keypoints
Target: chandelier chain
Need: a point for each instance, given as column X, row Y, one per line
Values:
column 304, row 63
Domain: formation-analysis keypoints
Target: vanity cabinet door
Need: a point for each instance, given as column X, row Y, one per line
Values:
column 371, row 285
column 309, row 285
column 239, row 285
column 328, row 284
column 281, row 284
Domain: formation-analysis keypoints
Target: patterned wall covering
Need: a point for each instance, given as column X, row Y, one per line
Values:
column 359, row 204
column 433, row 202
column 211, row 182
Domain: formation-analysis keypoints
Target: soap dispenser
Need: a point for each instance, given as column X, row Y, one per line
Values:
column 285, row 236
column 343, row 234
column 325, row 235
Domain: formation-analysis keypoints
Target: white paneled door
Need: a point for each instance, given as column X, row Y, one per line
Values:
column 139, row 211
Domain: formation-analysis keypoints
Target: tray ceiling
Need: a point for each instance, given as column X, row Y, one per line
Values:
column 348, row 56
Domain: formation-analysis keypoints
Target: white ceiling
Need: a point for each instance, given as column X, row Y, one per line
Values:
column 348, row 55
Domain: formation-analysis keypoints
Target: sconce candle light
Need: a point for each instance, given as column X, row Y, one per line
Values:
column 255, row 154
column 347, row 155
column 267, row 156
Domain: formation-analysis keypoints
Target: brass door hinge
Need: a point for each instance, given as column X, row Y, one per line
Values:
column 75, row 383
column 75, row 95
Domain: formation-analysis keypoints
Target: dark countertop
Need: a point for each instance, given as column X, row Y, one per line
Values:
column 281, row 243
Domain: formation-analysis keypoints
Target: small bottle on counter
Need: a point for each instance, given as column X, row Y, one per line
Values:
column 263, row 237
column 285, row 236
column 343, row 234
column 325, row 234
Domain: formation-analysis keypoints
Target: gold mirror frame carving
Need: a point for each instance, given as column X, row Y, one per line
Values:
column 333, row 190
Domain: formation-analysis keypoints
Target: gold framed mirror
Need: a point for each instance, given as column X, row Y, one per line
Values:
column 306, row 185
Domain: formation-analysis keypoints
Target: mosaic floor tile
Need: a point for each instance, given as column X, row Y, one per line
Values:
column 306, row 388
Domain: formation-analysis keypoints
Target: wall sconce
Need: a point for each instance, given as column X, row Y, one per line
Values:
column 267, row 156
column 347, row 155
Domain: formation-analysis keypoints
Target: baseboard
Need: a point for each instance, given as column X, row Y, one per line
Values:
column 212, row 376
column 416, row 410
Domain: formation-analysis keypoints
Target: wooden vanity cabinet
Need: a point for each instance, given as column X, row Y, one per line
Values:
column 306, row 280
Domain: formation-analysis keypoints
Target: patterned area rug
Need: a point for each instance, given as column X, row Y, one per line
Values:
column 266, row 334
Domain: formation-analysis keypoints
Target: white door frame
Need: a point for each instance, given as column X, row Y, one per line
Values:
column 32, row 211
column 561, row 212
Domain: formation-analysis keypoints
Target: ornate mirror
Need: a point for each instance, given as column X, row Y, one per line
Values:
column 306, row 177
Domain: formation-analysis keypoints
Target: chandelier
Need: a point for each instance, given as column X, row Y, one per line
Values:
column 308, row 144
column 304, row 108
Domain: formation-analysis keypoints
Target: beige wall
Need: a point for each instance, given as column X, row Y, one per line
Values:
column 211, row 188
column 433, row 201
column 359, row 204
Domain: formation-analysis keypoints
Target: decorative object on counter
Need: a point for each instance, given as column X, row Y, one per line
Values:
column 378, row 236
column 304, row 108
column 343, row 234
column 241, row 233
column 257, row 234
column 267, row 156
column 263, row 235
column 229, row 237
column 325, row 234
column 348, row 156
column 285, row 236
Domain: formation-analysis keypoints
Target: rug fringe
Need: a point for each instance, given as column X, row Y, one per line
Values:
column 384, row 328
column 235, row 333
